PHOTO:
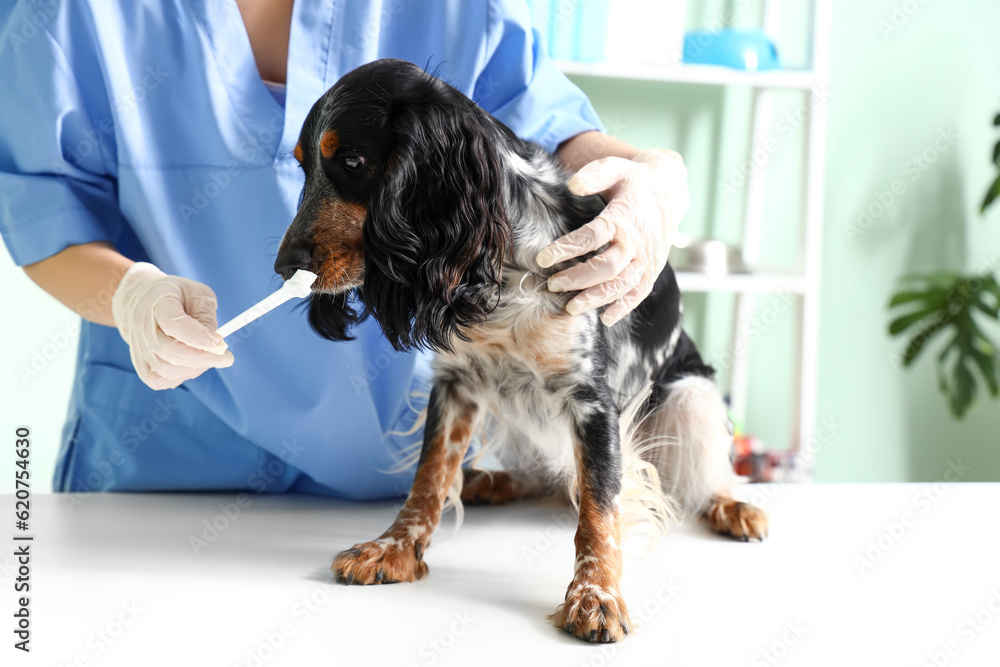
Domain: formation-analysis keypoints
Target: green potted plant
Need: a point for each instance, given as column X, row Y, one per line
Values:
column 928, row 305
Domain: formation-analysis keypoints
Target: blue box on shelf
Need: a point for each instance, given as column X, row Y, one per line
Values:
column 748, row 50
column 591, row 30
column 572, row 29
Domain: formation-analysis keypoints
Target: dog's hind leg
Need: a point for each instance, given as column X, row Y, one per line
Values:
column 397, row 555
column 496, row 487
column 689, row 441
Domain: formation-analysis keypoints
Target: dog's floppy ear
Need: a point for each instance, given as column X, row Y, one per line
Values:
column 436, row 231
column 331, row 315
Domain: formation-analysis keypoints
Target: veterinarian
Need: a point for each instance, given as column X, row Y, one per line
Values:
column 153, row 140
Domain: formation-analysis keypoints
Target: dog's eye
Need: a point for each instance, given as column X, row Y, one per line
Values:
column 353, row 162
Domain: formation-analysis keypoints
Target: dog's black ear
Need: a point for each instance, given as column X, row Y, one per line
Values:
column 436, row 231
column 331, row 315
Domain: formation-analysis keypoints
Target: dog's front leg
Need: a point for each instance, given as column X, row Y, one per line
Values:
column 594, row 609
column 398, row 554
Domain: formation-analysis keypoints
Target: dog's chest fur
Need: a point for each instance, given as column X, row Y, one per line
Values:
column 530, row 359
column 526, row 361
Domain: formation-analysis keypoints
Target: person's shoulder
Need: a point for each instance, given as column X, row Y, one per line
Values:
column 34, row 16
column 79, row 27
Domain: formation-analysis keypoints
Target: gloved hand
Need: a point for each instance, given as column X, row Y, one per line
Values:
column 648, row 196
column 169, row 325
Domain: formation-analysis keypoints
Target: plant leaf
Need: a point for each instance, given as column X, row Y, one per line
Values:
column 988, row 367
column 992, row 310
column 940, row 278
column 933, row 297
column 964, row 390
column 991, row 287
column 905, row 297
column 917, row 343
column 943, row 301
column 948, row 349
column 991, row 194
column 901, row 324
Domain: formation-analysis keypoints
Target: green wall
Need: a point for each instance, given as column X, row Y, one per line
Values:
column 899, row 81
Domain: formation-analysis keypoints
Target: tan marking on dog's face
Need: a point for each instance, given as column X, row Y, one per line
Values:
column 340, row 252
column 298, row 152
column 329, row 143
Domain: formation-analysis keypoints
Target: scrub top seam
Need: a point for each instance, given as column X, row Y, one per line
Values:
column 484, row 55
column 222, row 429
column 329, row 46
column 490, row 11
column 181, row 167
column 45, row 215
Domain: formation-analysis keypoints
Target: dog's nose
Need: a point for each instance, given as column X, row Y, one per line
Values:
column 292, row 259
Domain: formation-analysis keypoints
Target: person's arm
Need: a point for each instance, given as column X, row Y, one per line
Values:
column 168, row 321
column 60, row 207
column 647, row 196
column 646, row 190
column 83, row 278
column 578, row 151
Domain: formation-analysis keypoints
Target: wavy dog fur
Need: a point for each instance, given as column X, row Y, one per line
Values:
column 423, row 211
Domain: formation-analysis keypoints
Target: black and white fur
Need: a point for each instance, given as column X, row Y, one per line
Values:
column 448, row 209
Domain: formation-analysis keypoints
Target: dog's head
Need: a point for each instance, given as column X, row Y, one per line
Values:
column 403, row 203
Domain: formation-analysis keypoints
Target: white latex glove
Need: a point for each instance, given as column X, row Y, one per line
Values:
column 647, row 197
column 169, row 325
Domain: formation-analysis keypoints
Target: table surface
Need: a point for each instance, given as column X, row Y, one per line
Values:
column 852, row 575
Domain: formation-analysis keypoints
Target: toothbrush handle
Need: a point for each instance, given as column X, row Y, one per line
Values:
column 259, row 309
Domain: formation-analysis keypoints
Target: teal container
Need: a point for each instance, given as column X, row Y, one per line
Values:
column 572, row 29
column 748, row 50
column 591, row 30
column 562, row 28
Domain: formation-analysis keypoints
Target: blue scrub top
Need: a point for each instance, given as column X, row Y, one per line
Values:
column 146, row 124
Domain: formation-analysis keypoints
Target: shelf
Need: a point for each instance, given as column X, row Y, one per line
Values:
column 710, row 75
column 742, row 282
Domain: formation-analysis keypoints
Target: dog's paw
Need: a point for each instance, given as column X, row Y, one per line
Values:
column 740, row 520
column 593, row 613
column 384, row 561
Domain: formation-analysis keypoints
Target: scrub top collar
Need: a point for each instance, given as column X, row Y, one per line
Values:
column 307, row 72
column 277, row 91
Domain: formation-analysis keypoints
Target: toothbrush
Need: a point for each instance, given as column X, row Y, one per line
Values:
column 298, row 286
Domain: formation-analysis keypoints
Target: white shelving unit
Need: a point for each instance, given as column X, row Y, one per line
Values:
column 741, row 283
column 804, row 284
column 709, row 75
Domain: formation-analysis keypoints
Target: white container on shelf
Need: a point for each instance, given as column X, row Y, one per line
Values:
column 647, row 32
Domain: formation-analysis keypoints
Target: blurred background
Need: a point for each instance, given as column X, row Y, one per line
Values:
column 832, row 149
